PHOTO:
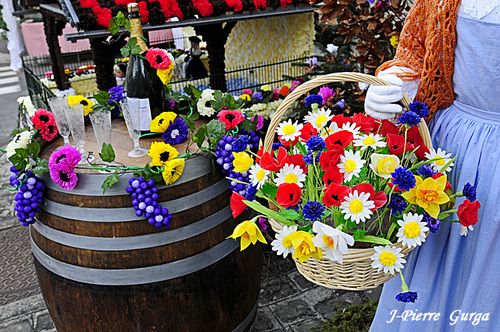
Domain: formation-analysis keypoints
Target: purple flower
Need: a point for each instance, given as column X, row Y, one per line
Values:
column 176, row 133
column 62, row 164
column 258, row 96
column 403, row 178
column 409, row 118
column 326, row 93
column 313, row 99
column 470, row 192
column 419, row 108
column 340, row 104
column 426, row 171
column 313, row 61
column 116, row 94
column 250, row 193
column 315, row 143
column 276, row 146
column 432, row 223
column 397, row 204
column 261, row 222
column 313, row 210
column 407, row 297
column 240, row 144
column 260, row 120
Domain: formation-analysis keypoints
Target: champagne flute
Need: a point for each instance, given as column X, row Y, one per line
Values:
column 57, row 106
column 101, row 123
column 74, row 114
column 132, row 116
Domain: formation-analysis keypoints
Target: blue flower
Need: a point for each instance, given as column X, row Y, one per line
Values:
column 426, row 171
column 276, row 146
column 240, row 144
column 340, row 104
column 407, row 297
column 313, row 210
column 315, row 143
column 403, row 178
column 397, row 204
column 250, row 193
column 116, row 94
column 258, row 96
column 313, row 99
column 419, row 108
column 409, row 118
column 295, row 207
column 308, row 158
column 176, row 133
column 469, row 192
column 432, row 223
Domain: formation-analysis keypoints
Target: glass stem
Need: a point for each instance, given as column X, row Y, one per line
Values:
column 66, row 140
column 137, row 146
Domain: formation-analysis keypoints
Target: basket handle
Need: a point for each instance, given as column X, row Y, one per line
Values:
column 331, row 78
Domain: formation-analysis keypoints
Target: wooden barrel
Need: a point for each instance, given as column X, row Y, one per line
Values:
column 102, row 268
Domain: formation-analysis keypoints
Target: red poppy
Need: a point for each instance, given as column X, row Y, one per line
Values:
column 365, row 123
column 230, row 118
column 386, row 127
column 288, row 144
column 396, row 144
column 259, row 154
column 437, row 176
column 335, row 194
column 49, row 131
column 41, row 118
column 268, row 162
column 468, row 213
column 340, row 119
column 422, row 149
column 332, row 175
column 379, row 199
column 329, row 158
column 339, row 140
column 288, row 194
column 298, row 160
column 307, row 132
column 285, row 91
column 413, row 134
column 237, row 204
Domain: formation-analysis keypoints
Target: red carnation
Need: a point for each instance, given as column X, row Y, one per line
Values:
column 288, row 194
column 103, row 16
column 379, row 199
column 340, row 140
column 268, row 162
column 335, row 194
column 307, row 132
column 396, row 144
column 237, row 204
column 143, row 11
column 468, row 213
column 41, row 118
column 230, row 118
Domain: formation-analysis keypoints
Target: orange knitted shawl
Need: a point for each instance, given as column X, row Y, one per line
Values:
column 427, row 45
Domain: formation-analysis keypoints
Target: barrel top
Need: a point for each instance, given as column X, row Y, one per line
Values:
column 122, row 144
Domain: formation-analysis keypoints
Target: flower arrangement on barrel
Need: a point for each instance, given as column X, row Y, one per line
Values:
column 339, row 187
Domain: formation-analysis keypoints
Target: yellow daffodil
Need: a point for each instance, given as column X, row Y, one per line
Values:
column 242, row 162
column 87, row 104
column 173, row 170
column 428, row 194
column 303, row 246
column 249, row 233
column 384, row 164
column 161, row 153
column 161, row 122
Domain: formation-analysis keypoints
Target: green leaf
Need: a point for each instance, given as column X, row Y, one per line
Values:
column 34, row 149
column 22, row 152
column 289, row 214
column 102, row 97
column 358, row 233
column 113, row 28
column 269, row 213
column 269, row 189
column 374, row 239
column 136, row 49
column 15, row 132
column 158, row 178
column 188, row 121
column 200, row 135
column 107, row 153
column 127, row 25
column 215, row 131
column 351, row 224
column 125, row 51
column 132, row 41
column 41, row 167
column 109, row 182
column 445, row 167
column 146, row 173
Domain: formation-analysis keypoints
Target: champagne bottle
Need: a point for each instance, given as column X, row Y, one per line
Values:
column 144, row 88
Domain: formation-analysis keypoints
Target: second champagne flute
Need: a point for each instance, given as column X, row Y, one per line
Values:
column 132, row 120
column 76, row 122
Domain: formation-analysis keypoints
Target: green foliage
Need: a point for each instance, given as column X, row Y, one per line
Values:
column 107, row 153
column 149, row 172
column 118, row 22
column 41, row 167
column 110, row 181
column 131, row 48
column 355, row 318
column 102, row 98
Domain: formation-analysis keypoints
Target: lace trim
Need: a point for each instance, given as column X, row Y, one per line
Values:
column 478, row 8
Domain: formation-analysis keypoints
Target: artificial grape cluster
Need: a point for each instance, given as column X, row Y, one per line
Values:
column 145, row 201
column 29, row 195
column 240, row 188
column 224, row 153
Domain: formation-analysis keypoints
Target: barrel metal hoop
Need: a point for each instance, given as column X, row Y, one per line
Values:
column 135, row 276
column 133, row 242
column 128, row 213
column 248, row 319
column 90, row 184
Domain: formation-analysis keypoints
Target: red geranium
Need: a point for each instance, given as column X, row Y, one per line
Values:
column 298, row 160
column 396, row 144
column 268, row 162
column 237, row 204
column 339, row 140
column 468, row 213
column 230, row 118
column 307, row 132
column 288, row 194
column 285, row 91
column 379, row 199
column 332, row 175
column 335, row 194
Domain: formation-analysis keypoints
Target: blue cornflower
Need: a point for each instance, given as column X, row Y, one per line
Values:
column 432, row 223
column 315, row 143
column 313, row 210
column 397, row 204
column 340, row 104
column 403, row 178
column 419, row 108
column 250, row 193
column 469, row 192
column 308, row 158
column 258, row 96
column 241, row 143
column 116, row 94
column 295, row 207
column 276, row 146
column 409, row 118
column 313, row 99
column 407, row 297
column 176, row 133
column 426, row 170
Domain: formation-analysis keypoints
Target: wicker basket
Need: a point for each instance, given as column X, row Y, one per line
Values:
column 356, row 272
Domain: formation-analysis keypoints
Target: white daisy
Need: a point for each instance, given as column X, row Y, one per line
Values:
column 384, row 164
column 289, row 130
column 258, row 176
column 351, row 164
column 352, row 127
column 357, row 207
column 318, row 118
column 333, row 241
column 203, row 104
column 465, row 230
column 390, row 259
column 282, row 246
column 290, row 174
column 331, row 129
column 437, row 165
column 412, row 230
column 370, row 140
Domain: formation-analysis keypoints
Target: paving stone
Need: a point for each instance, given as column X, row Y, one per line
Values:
column 265, row 321
column 292, row 311
column 276, row 289
column 17, row 326
column 306, row 326
column 301, row 281
column 329, row 307
column 44, row 323
column 373, row 294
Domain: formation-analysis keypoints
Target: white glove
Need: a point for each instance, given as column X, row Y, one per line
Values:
column 380, row 102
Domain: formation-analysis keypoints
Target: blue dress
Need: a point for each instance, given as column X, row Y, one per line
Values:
column 457, row 276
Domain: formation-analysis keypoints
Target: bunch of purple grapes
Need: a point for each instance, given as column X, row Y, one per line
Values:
column 29, row 195
column 224, row 153
column 145, row 201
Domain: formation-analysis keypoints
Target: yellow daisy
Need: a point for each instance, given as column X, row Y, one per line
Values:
column 87, row 104
column 161, row 153
column 161, row 122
